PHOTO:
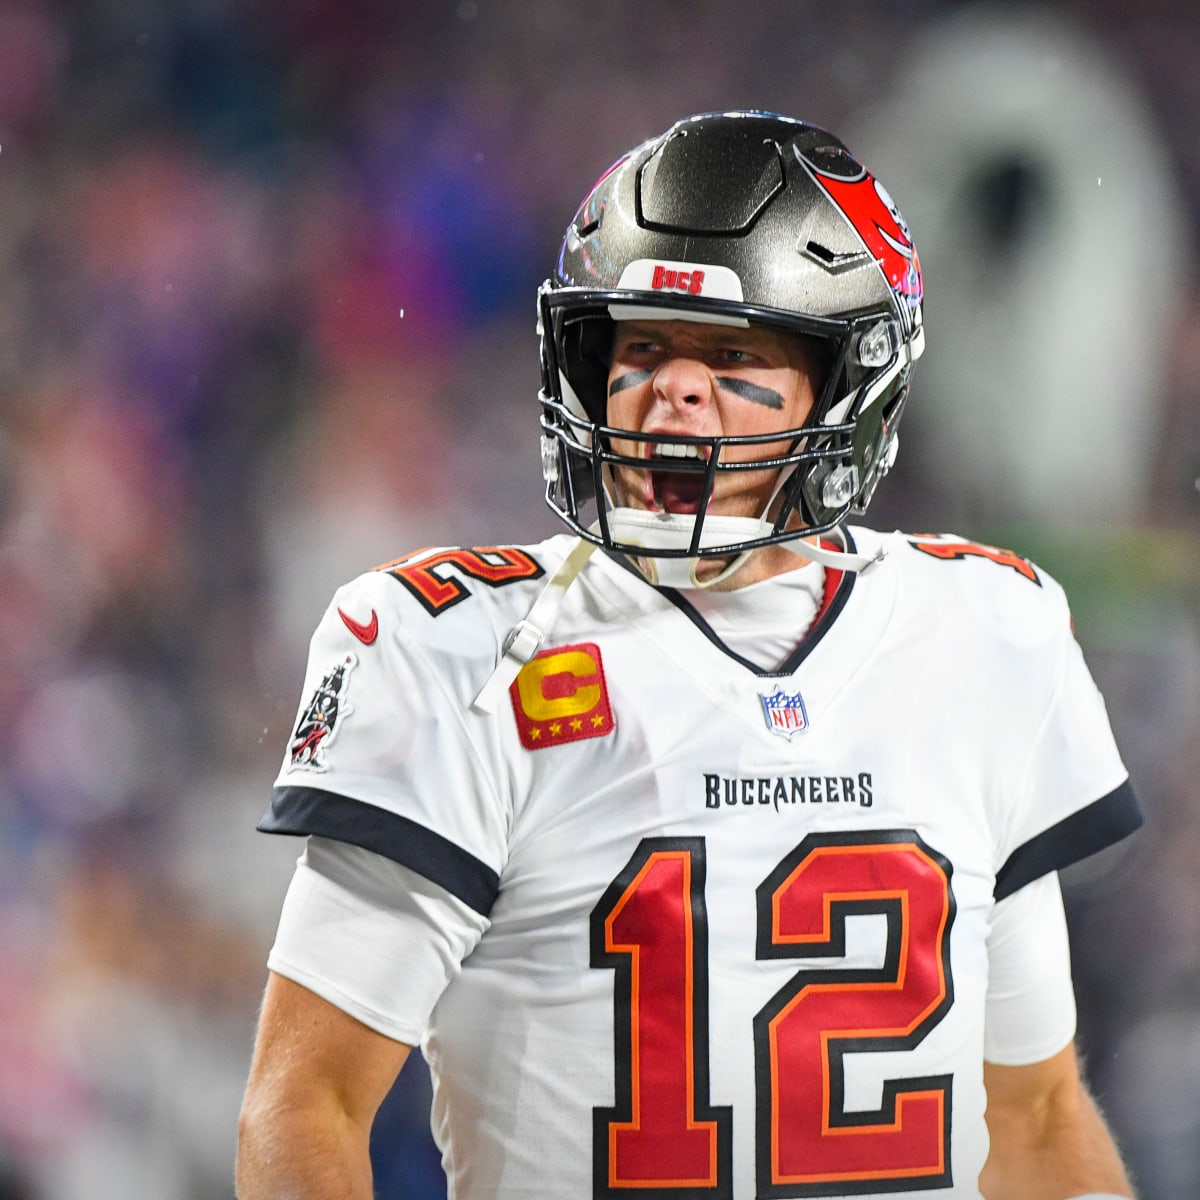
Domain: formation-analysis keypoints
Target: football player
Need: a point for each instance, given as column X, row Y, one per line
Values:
column 722, row 862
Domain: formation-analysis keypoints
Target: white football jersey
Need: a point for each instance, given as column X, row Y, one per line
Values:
column 737, row 918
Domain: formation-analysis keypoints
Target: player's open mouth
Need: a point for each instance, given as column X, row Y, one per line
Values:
column 675, row 491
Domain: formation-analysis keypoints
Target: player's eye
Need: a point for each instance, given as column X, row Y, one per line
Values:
column 639, row 347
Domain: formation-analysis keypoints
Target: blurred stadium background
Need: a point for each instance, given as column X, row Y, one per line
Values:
column 267, row 274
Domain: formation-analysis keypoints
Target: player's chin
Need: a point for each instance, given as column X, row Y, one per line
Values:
column 755, row 491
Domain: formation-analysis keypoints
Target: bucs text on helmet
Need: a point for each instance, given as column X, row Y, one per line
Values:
column 733, row 218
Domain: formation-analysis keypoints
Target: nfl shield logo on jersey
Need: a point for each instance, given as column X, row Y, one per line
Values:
column 784, row 713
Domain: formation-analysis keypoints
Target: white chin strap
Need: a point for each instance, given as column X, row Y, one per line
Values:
column 674, row 531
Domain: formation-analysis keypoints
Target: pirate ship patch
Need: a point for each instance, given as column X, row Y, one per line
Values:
column 321, row 718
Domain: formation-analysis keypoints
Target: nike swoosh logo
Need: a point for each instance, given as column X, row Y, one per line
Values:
column 365, row 633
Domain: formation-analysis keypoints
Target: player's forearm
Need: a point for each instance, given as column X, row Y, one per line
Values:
column 1053, row 1154
column 290, row 1154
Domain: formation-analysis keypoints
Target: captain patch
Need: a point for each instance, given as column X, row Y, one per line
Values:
column 561, row 696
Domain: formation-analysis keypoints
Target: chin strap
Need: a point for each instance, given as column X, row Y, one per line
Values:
column 673, row 531
column 841, row 560
column 526, row 638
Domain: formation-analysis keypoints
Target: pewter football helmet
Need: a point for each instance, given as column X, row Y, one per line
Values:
column 733, row 218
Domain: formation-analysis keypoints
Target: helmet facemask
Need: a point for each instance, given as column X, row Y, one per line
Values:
column 827, row 468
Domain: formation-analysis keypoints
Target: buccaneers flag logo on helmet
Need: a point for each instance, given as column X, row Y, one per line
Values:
column 867, row 206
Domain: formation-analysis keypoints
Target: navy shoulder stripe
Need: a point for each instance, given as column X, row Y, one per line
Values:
column 304, row 811
column 1086, row 832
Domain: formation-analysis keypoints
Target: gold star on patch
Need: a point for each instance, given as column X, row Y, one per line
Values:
column 597, row 721
column 577, row 724
column 535, row 733
column 555, row 728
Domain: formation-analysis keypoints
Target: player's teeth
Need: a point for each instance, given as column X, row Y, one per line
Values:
column 675, row 450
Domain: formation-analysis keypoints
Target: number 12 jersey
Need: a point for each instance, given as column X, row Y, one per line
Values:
column 699, row 928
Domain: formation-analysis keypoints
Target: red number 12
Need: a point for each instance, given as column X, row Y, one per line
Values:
column 663, row 1138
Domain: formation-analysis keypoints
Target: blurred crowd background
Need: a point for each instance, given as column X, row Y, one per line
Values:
column 267, row 276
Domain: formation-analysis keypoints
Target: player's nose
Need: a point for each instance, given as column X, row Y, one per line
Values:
column 683, row 381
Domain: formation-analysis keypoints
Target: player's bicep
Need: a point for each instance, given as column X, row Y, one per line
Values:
column 310, row 1056
column 1031, row 998
column 373, row 938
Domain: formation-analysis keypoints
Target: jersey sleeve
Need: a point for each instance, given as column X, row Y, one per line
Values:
column 1030, row 1012
column 375, row 939
column 1073, row 796
column 381, row 756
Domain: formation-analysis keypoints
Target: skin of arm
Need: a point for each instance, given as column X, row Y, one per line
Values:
column 317, row 1078
column 1048, row 1138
